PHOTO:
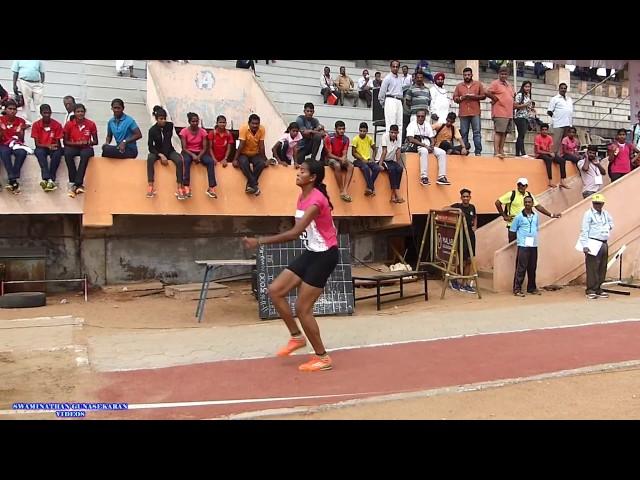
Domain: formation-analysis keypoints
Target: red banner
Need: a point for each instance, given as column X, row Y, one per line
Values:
column 444, row 241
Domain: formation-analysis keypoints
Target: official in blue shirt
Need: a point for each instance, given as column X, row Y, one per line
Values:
column 124, row 130
column 525, row 225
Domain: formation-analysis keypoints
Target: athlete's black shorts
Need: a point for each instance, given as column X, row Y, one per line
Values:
column 314, row 268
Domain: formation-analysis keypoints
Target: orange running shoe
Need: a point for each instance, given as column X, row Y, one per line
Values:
column 316, row 363
column 292, row 345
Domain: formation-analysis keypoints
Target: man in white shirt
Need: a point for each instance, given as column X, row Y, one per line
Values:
column 327, row 85
column 421, row 134
column 596, row 227
column 365, row 85
column 440, row 98
column 390, row 97
column 390, row 161
column 69, row 105
column 591, row 172
column 407, row 80
column 28, row 79
column 561, row 112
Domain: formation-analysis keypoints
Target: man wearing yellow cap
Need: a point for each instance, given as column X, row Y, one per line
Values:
column 596, row 227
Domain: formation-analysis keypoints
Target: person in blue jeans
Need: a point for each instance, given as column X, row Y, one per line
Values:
column 195, row 148
column 47, row 134
column 361, row 147
column 12, row 130
column 468, row 95
column 124, row 130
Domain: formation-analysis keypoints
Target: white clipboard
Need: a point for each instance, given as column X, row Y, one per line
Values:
column 594, row 246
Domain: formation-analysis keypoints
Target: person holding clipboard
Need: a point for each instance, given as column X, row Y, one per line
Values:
column 597, row 224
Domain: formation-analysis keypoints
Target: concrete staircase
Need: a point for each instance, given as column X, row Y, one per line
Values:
column 586, row 112
column 492, row 236
column 93, row 83
column 291, row 83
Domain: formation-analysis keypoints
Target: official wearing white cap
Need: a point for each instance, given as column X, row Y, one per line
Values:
column 512, row 203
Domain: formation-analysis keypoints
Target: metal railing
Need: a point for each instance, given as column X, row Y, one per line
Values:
column 596, row 86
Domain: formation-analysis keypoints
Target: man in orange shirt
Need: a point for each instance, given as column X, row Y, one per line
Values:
column 250, row 152
column 468, row 94
column 501, row 94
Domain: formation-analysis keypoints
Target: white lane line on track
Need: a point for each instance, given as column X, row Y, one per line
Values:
column 206, row 403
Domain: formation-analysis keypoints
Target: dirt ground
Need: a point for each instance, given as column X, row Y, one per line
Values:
column 40, row 376
column 612, row 395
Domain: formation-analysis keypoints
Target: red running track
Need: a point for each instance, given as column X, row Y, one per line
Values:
column 368, row 371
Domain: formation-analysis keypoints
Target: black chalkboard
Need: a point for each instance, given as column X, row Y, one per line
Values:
column 337, row 298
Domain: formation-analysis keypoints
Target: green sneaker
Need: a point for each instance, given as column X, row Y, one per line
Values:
column 51, row 186
column 43, row 185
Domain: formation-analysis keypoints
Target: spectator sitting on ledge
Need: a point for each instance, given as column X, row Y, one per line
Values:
column 221, row 142
column 285, row 150
column 361, row 147
column 250, row 156
column 336, row 147
column 446, row 134
column 195, row 148
column 80, row 135
column 12, row 130
column 312, row 134
column 47, row 134
column 390, row 161
column 161, row 148
column 125, row 130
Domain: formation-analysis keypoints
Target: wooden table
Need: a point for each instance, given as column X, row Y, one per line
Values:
column 209, row 271
column 385, row 277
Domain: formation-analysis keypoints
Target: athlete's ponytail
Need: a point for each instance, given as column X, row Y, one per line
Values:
column 317, row 168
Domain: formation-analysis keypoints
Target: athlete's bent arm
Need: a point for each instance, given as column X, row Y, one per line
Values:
column 309, row 214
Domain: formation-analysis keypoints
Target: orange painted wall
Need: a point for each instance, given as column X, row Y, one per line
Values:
column 118, row 187
column 486, row 177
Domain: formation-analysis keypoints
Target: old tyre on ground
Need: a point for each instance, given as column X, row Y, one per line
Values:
column 23, row 300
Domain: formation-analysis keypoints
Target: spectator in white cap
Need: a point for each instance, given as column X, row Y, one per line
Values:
column 512, row 203
column 597, row 224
